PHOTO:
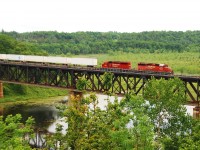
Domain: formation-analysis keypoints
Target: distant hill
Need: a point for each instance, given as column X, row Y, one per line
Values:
column 103, row 42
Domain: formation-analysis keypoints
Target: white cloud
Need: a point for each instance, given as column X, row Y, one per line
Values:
column 99, row 15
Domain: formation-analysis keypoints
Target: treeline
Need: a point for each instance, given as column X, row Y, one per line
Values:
column 104, row 42
column 9, row 45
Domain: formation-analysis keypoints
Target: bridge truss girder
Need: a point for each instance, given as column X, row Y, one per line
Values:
column 63, row 77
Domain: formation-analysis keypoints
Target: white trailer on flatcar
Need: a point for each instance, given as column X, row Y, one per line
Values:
column 56, row 60
column 12, row 57
column 91, row 62
column 32, row 58
column 3, row 56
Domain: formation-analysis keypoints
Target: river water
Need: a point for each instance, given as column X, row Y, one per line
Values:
column 47, row 116
column 43, row 114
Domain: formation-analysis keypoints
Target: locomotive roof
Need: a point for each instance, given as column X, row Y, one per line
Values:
column 125, row 62
column 152, row 64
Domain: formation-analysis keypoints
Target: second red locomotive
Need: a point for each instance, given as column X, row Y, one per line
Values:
column 154, row 67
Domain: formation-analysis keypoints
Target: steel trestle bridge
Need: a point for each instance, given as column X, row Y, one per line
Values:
column 61, row 76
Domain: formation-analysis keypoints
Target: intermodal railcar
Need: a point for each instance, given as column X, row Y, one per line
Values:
column 90, row 62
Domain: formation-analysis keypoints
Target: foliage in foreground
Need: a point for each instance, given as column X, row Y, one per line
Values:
column 166, row 111
column 13, row 133
column 157, row 121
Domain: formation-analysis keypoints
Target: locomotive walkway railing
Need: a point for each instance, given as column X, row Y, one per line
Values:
column 60, row 76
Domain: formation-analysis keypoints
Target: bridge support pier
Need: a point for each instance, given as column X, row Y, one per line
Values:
column 1, row 110
column 196, row 112
column 1, row 90
column 74, row 95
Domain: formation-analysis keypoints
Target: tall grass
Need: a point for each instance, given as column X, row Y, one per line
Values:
column 181, row 63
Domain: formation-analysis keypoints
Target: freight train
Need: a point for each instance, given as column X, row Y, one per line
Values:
column 88, row 62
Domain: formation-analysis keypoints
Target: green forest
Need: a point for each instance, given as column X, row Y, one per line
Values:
column 56, row 43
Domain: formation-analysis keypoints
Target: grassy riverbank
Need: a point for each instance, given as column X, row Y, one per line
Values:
column 33, row 102
column 16, row 93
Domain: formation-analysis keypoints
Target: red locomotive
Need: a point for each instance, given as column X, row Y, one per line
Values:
column 153, row 67
column 116, row 64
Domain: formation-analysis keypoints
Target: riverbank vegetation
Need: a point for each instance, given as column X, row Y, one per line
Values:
column 157, row 121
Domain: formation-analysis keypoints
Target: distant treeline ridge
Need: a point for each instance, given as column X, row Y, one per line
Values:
column 52, row 42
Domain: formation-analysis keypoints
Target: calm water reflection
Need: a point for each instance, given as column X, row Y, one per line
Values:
column 43, row 115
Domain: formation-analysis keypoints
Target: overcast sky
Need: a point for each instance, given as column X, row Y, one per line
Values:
column 99, row 15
